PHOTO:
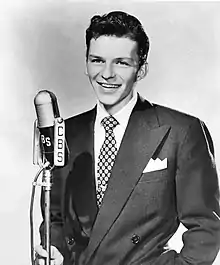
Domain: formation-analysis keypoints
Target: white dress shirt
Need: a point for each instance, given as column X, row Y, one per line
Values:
column 121, row 116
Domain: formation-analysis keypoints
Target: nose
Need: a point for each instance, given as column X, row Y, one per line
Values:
column 107, row 71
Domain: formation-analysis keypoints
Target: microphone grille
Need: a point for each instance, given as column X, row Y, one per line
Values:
column 44, row 109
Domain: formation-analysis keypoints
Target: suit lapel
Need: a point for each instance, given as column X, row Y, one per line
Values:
column 81, row 181
column 140, row 141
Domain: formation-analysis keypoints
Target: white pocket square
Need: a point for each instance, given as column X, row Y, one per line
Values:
column 156, row 164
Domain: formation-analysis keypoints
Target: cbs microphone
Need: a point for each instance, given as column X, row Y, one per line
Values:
column 49, row 132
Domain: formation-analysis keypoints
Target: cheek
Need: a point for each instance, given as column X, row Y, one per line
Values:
column 129, row 81
column 128, row 75
column 93, row 72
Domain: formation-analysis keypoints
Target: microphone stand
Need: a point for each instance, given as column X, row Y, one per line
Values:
column 46, row 188
column 46, row 184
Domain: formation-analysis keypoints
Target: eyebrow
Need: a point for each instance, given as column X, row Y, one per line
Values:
column 118, row 58
column 95, row 56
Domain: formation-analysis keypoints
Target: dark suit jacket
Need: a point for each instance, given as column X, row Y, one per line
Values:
column 140, row 211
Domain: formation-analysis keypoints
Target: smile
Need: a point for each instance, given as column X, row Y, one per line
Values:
column 106, row 85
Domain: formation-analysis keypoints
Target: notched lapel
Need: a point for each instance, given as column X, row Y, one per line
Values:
column 142, row 137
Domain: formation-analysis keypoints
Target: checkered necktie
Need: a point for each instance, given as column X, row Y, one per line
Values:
column 106, row 157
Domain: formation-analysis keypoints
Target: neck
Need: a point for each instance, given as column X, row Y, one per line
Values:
column 113, row 109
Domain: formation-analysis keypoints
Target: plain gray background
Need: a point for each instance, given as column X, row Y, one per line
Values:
column 42, row 47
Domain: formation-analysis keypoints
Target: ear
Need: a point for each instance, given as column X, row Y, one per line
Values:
column 142, row 72
column 86, row 68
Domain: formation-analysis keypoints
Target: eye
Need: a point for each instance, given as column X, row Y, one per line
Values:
column 96, row 61
column 123, row 63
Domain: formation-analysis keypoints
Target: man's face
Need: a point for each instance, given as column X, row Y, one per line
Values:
column 112, row 68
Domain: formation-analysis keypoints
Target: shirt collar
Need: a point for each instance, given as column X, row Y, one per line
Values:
column 122, row 116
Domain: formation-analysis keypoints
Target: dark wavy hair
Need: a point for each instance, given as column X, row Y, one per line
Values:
column 119, row 24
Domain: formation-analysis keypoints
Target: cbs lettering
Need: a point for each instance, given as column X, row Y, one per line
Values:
column 60, row 144
column 45, row 140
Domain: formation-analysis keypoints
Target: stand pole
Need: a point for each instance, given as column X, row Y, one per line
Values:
column 47, row 183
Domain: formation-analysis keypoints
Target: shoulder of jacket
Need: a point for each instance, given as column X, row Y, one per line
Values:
column 81, row 117
column 174, row 117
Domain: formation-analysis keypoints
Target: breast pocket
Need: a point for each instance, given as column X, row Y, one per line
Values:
column 153, row 176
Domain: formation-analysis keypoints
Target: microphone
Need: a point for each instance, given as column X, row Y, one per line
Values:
column 51, row 135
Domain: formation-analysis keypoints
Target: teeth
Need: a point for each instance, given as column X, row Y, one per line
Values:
column 109, row 85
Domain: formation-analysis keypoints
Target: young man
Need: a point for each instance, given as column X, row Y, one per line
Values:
column 134, row 176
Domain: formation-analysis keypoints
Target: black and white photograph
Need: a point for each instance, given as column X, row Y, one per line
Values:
column 110, row 147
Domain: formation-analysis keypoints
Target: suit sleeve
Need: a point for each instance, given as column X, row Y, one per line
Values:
column 197, row 193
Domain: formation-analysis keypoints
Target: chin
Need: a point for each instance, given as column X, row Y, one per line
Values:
column 108, row 100
column 108, row 104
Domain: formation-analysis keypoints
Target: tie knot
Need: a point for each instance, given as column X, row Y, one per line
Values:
column 109, row 123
